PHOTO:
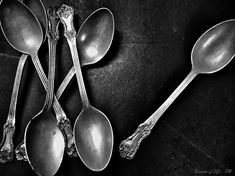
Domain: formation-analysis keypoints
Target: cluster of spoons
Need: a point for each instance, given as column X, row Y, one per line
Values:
column 47, row 135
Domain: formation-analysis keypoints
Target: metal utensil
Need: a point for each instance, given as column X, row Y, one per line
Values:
column 92, row 130
column 44, row 142
column 212, row 52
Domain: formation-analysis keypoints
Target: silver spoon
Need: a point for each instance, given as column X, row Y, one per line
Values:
column 44, row 142
column 92, row 130
column 7, row 146
column 15, row 16
column 212, row 52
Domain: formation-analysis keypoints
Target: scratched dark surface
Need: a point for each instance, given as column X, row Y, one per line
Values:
column 148, row 59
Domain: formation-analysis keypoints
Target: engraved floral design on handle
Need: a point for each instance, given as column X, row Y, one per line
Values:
column 7, row 147
column 66, row 16
column 128, row 147
column 53, row 23
column 20, row 152
column 65, row 127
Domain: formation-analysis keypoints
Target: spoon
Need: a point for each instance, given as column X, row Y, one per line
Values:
column 15, row 16
column 44, row 142
column 7, row 146
column 212, row 52
column 92, row 130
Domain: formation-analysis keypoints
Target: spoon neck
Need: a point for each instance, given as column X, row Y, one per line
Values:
column 53, row 36
column 158, row 113
column 51, row 74
column 16, row 86
column 80, row 80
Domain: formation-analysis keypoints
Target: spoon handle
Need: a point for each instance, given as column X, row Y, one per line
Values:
column 53, row 36
column 66, row 16
column 128, row 147
column 65, row 82
column 7, row 147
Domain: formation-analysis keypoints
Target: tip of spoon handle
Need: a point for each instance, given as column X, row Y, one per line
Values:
column 20, row 152
column 66, row 129
column 129, row 147
column 6, row 156
column 66, row 14
column 6, row 146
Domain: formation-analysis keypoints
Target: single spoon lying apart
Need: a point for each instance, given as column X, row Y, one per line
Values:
column 92, row 130
column 7, row 146
column 212, row 52
column 44, row 141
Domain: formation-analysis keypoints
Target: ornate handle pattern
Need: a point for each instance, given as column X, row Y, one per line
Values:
column 20, row 152
column 7, row 149
column 128, row 147
column 65, row 127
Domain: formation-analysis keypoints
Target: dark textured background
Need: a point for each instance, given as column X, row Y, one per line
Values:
column 148, row 59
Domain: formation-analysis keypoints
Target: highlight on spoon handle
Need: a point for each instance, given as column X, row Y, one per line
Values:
column 129, row 147
column 7, row 146
column 53, row 36
column 65, row 82
column 66, row 16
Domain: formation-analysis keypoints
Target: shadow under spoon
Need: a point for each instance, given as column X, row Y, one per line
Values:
column 212, row 52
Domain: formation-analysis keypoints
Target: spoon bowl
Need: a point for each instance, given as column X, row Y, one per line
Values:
column 215, row 48
column 93, row 39
column 95, row 138
column 28, row 38
column 45, row 143
column 38, row 9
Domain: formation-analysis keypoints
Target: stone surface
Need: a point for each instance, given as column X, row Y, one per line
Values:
column 148, row 59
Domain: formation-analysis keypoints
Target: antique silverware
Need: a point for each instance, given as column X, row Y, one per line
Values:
column 212, row 52
column 101, row 36
column 92, row 130
column 44, row 142
column 15, row 16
